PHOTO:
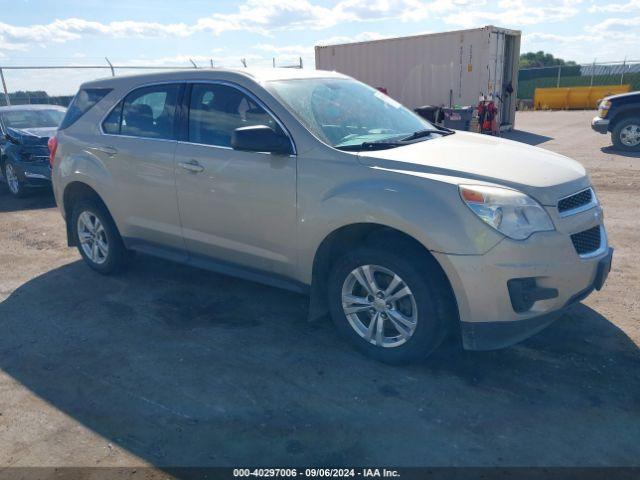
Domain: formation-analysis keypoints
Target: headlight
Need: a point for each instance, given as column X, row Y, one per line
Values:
column 512, row 213
column 603, row 108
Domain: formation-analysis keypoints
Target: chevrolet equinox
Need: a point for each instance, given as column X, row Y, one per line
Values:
column 312, row 181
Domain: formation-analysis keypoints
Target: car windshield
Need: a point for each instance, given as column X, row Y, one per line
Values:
column 32, row 118
column 346, row 113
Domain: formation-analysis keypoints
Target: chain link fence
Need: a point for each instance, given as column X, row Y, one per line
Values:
column 592, row 74
column 37, row 82
column 56, row 84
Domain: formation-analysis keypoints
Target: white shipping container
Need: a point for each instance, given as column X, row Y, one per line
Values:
column 440, row 69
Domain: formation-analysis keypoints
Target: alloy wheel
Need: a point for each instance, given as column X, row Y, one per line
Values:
column 379, row 306
column 93, row 237
column 12, row 179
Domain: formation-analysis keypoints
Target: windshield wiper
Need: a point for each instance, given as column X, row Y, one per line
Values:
column 381, row 145
column 425, row 133
column 385, row 144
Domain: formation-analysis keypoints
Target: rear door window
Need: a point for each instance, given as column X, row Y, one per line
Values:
column 84, row 100
column 215, row 111
column 147, row 112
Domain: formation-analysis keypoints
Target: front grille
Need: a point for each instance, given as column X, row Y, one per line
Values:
column 575, row 201
column 587, row 241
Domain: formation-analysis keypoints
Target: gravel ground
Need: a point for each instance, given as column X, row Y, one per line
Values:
column 172, row 366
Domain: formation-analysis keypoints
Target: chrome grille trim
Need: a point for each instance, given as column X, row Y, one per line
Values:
column 581, row 208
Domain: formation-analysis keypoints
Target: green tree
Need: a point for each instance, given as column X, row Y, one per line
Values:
column 542, row 59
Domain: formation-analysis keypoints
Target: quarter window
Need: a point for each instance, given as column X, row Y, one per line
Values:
column 147, row 112
column 215, row 111
column 84, row 100
column 111, row 124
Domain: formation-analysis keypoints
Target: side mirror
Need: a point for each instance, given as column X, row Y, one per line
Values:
column 260, row 138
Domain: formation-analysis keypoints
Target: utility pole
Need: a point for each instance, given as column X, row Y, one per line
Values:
column 113, row 72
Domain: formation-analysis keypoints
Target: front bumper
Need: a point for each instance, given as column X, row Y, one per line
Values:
column 492, row 335
column 33, row 174
column 489, row 316
column 600, row 125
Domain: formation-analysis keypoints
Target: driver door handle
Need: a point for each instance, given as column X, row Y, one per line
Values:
column 191, row 166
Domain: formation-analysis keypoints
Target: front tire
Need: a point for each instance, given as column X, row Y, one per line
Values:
column 97, row 238
column 394, row 308
column 15, row 186
column 626, row 134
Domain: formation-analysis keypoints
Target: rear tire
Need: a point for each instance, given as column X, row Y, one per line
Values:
column 427, row 299
column 626, row 134
column 97, row 238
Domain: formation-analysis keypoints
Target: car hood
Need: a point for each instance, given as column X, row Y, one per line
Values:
column 32, row 136
column 544, row 175
column 623, row 95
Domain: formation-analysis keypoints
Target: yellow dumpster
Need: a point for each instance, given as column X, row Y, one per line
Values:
column 576, row 98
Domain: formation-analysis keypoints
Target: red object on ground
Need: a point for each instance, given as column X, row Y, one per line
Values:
column 487, row 112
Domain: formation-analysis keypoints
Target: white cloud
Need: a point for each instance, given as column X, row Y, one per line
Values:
column 74, row 28
column 261, row 16
column 618, row 25
column 268, row 17
column 257, row 16
column 516, row 13
column 616, row 7
column 611, row 39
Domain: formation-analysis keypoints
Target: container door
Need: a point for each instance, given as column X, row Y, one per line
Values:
column 508, row 89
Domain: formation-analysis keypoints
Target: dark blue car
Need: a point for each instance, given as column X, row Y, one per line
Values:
column 24, row 155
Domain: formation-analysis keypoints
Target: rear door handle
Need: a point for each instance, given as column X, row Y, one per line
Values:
column 111, row 151
column 191, row 166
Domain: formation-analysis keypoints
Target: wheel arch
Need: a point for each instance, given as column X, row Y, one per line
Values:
column 8, row 152
column 348, row 237
column 623, row 114
column 73, row 193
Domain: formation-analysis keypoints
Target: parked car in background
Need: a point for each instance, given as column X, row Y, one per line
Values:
column 315, row 182
column 24, row 155
column 620, row 115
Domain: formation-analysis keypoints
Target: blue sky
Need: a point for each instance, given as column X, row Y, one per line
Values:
column 35, row 32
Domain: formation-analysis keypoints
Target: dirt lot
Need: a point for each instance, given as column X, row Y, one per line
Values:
column 173, row 366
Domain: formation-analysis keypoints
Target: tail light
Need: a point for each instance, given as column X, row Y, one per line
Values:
column 53, row 146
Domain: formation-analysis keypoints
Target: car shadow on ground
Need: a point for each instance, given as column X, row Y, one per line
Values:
column 614, row 151
column 526, row 137
column 37, row 198
column 183, row 367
